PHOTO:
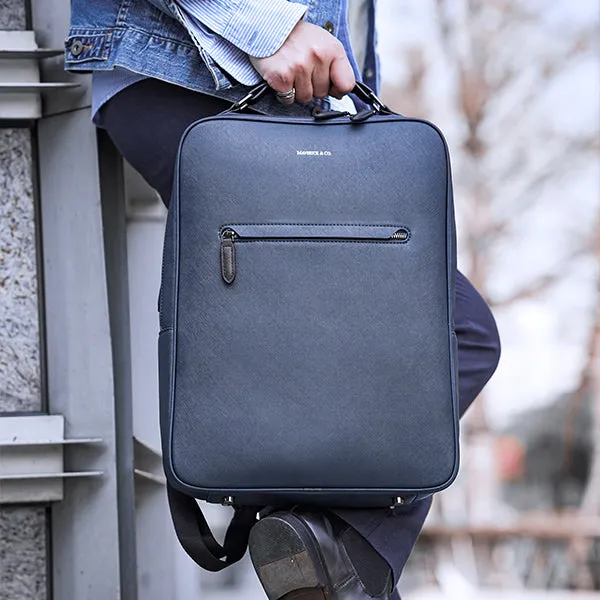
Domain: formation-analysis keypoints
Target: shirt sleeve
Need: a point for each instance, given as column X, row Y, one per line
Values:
column 257, row 27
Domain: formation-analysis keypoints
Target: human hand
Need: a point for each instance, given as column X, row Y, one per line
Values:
column 310, row 60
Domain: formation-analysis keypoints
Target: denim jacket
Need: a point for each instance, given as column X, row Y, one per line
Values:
column 151, row 38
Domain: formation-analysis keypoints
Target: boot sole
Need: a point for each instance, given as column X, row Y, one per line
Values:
column 287, row 560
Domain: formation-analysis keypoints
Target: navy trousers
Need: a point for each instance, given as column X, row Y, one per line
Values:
column 145, row 122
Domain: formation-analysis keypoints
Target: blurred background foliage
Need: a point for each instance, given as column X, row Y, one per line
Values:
column 514, row 84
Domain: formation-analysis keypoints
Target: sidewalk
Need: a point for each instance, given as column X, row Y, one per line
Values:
column 434, row 594
column 245, row 586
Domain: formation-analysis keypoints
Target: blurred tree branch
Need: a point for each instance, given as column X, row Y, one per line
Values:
column 589, row 384
column 541, row 284
column 509, row 153
column 591, row 372
column 476, row 48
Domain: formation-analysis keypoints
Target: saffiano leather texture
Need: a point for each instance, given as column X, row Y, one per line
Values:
column 324, row 372
column 306, row 352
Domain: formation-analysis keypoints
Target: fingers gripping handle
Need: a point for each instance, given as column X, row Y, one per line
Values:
column 361, row 90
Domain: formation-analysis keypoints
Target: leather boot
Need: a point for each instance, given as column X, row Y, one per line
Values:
column 313, row 555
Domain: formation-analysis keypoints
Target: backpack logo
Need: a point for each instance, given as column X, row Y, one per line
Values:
column 313, row 153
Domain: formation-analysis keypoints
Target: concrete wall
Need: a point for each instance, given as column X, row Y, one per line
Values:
column 12, row 14
column 22, row 529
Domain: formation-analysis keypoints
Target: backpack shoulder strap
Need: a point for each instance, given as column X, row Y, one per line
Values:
column 197, row 539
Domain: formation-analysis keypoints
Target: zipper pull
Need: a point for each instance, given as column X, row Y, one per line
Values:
column 228, row 255
column 363, row 115
column 401, row 235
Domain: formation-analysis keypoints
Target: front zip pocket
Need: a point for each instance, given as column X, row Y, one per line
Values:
column 233, row 234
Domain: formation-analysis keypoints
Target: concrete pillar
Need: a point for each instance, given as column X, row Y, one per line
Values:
column 22, row 529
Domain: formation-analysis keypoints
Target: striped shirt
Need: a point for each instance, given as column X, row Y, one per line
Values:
column 251, row 28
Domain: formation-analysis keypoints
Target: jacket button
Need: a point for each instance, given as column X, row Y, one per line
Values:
column 329, row 27
column 76, row 48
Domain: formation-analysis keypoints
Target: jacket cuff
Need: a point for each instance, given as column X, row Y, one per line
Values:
column 259, row 28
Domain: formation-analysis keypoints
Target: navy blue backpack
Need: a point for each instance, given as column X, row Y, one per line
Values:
column 307, row 353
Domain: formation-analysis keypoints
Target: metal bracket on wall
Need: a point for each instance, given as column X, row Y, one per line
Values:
column 20, row 85
column 147, row 464
column 32, row 458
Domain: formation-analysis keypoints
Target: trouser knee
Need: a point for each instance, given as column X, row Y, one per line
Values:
column 478, row 341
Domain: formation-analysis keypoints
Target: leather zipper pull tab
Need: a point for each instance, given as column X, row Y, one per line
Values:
column 325, row 115
column 228, row 256
column 363, row 115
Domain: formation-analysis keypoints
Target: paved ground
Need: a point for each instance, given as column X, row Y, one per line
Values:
column 503, row 595
column 240, row 583
column 236, row 583
column 246, row 587
column 251, row 593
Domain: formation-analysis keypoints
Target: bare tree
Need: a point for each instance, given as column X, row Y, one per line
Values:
column 497, row 181
column 508, row 155
column 589, row 386
column 591, row 372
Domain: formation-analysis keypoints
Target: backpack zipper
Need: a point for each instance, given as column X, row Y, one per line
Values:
column 229, row 236
column 401, row 235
